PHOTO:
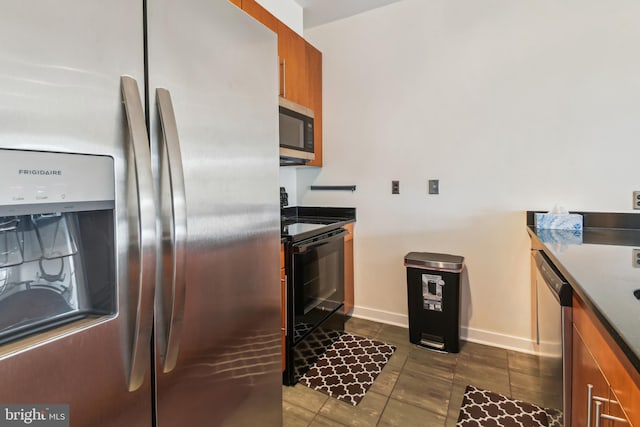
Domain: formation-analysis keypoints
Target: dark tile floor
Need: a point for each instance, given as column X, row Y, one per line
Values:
column 418, row 387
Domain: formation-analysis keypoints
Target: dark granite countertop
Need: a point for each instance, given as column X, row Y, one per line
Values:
column 319, row 213
column 330, row 217
column 598, row 262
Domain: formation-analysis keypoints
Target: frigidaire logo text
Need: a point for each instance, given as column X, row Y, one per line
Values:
column 39, row 172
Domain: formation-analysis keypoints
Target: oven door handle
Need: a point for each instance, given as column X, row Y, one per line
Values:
column 302, row 248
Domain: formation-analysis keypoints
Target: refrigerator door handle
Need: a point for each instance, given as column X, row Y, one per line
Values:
column 178, row 227
column 141, row 342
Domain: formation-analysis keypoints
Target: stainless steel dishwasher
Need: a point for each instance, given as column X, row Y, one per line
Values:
column 554, row 317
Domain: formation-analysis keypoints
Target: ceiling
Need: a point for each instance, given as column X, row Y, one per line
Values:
column 318, row 12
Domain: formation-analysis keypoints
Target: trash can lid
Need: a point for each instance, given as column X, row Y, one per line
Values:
column 430, row 260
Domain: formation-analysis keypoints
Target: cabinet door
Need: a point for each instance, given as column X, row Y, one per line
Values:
column 623, row 379
column 349, row 295
column 314, row 83
column 293, row 66
column 585, row 372
column 237, row 2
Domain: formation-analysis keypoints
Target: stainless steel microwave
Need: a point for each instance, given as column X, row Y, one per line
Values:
column 296, row 133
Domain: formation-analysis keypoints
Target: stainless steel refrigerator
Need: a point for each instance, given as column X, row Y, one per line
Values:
column 139, row 216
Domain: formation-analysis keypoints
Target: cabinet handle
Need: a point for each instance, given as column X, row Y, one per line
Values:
column 612, row 418
column 284, row 308
column 604, row 400
column 284, row 78
column 589, row 399
column 598, row 413
column 598, row 402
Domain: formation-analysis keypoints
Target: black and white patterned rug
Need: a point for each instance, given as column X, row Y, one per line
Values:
column 482, row 408
column 348, row 368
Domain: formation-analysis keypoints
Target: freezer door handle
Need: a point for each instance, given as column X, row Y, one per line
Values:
column 146, row 255
column 177, row 233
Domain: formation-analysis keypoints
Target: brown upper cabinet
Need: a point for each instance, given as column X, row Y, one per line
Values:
column 314, row 84
column 237, row 3
column 294, row 83
column 260, row 14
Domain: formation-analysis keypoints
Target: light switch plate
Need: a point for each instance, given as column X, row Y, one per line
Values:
column 434, row 186
column 635, row 261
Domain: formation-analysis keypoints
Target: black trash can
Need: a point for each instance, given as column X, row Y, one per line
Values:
column 433, row 290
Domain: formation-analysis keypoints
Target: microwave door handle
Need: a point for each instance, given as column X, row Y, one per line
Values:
column 305, row 247
column 179, row 228
column 284, row 77
column 146, row 212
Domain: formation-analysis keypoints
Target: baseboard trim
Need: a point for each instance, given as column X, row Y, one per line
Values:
column 495, row 339
column 388, row 317
column 479, row 336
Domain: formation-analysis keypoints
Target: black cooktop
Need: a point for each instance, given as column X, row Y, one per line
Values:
column 300, row 223
column 296, row 228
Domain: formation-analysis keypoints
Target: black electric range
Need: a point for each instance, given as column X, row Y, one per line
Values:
column 314, row 264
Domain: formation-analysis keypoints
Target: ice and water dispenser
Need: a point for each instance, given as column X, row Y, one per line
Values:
column 57, row 240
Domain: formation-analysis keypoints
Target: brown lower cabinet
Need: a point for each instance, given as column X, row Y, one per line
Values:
column 601, row 376
column 348, row 270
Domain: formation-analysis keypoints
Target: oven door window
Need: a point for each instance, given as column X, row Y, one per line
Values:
column 318, row 284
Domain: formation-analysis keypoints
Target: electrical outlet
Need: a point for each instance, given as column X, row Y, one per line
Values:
column 434, row 186
column 635, row 261
column 636, row 200
column 395, row 187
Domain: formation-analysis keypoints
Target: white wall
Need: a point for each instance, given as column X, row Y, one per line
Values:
column 512, row 105
column 287, row 11
column 288, row 180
